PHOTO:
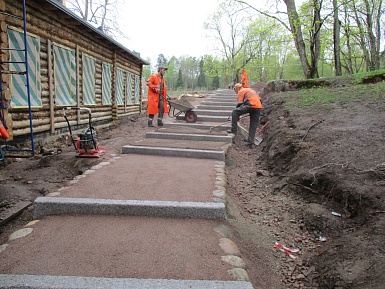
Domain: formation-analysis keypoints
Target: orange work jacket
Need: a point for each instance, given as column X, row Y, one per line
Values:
column 153, row 83
column 250, row 95
column 244, row 79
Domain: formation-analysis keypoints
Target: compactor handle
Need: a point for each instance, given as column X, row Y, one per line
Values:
column 76, row 108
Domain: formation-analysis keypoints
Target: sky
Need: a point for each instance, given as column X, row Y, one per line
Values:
column 170, row 27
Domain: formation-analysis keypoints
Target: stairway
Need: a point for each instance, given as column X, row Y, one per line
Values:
column 154, row 217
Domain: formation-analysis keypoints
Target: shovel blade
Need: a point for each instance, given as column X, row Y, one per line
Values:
column 258, row 139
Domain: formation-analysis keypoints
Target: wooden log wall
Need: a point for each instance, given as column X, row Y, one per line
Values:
column 52, row 25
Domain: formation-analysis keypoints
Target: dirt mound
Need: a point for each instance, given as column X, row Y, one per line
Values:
column 323, row 193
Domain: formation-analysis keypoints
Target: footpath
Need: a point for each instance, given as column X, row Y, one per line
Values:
column 154, row 217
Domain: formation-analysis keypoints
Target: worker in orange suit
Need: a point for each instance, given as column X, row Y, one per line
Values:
column 244, row 79
column 3, row 132
column 157, row 96
column 248, row 102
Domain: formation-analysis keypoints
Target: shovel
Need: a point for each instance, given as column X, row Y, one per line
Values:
column 228, row 120
column 258, row 136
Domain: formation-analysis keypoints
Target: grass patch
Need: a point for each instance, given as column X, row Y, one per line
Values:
column 324, row 97
column 359, row 77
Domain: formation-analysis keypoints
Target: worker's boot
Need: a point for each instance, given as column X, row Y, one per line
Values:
column 160, row 122
column 150, row 124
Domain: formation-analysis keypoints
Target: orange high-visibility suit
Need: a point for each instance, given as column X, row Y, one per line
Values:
column 248, row 103
column 3, row 132
column 154, row 83
column 247, row 94
column 244, row 79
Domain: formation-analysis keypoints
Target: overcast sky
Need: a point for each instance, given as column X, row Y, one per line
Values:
column 171, row 27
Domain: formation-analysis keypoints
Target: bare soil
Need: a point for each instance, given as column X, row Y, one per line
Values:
column 312, row 162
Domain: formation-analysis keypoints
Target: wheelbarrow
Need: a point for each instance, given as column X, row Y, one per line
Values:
column 179, row 106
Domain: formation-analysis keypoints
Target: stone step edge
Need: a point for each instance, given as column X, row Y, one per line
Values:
column 205, row 126
column 174, row 152
column 185, row 136
column 80, row 282
column 44, row 206
column 208, row 118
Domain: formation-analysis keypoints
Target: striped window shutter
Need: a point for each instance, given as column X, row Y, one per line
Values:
column 65, row 75
column 119, row 87
column 88, row 80
column 129, row 88
column 18, row 85
column 106, row 83
column 137, row 89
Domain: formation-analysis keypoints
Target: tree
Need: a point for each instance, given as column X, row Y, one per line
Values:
column 215, row 83
column 179, row 82
column 161, row 60
column 336, row 40
column 101, row 13
column 367, row 14
column 295, row 27
column 201, row 77
column 229, row 26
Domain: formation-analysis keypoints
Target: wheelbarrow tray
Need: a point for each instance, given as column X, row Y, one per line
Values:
column 181, row 104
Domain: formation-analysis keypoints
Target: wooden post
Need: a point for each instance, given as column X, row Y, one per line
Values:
column 113, row 90
column 50, row 87
column 77, row 82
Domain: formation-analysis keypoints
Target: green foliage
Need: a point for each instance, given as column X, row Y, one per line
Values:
column 146, row 71
column 325, row 97
column 179, row 82
column 359, row 77
column 161, row 60
column 215, row 83
column 201, row 77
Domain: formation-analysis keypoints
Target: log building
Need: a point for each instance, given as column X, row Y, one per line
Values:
column 70, row 64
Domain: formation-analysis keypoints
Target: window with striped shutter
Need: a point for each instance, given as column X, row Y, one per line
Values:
column 137, row 89
column 65, row 75
column 119, row 87
column 106, row 83
column 18, row 83
column 89, row 97
column 129, row 88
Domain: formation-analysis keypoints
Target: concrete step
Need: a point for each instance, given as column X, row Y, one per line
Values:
column 92, row 251
column 215, row 102
column 224, row 92
column 207, row 118
column 230, row 97
column 201, row 112
column 175, row 152
column 77, row 282
column 90, row 193
column 136, row 177
column 46, row 206
column 216, row 107
column 202, row 126
column 193, row 137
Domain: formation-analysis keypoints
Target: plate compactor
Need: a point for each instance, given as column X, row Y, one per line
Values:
column 85, row 143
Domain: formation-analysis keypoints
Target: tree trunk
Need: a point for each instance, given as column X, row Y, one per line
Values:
column 374, row 63
column 336, row 40
column 298, row 38
column 315, row 42
column 362, row 39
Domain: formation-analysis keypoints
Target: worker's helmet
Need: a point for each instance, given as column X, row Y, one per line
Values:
column 162, row 67
column 238, row 85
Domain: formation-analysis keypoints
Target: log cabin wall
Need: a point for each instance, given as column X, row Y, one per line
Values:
column 99, row 73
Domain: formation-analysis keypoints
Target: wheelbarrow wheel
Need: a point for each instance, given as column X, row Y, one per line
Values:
column 191, row 116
